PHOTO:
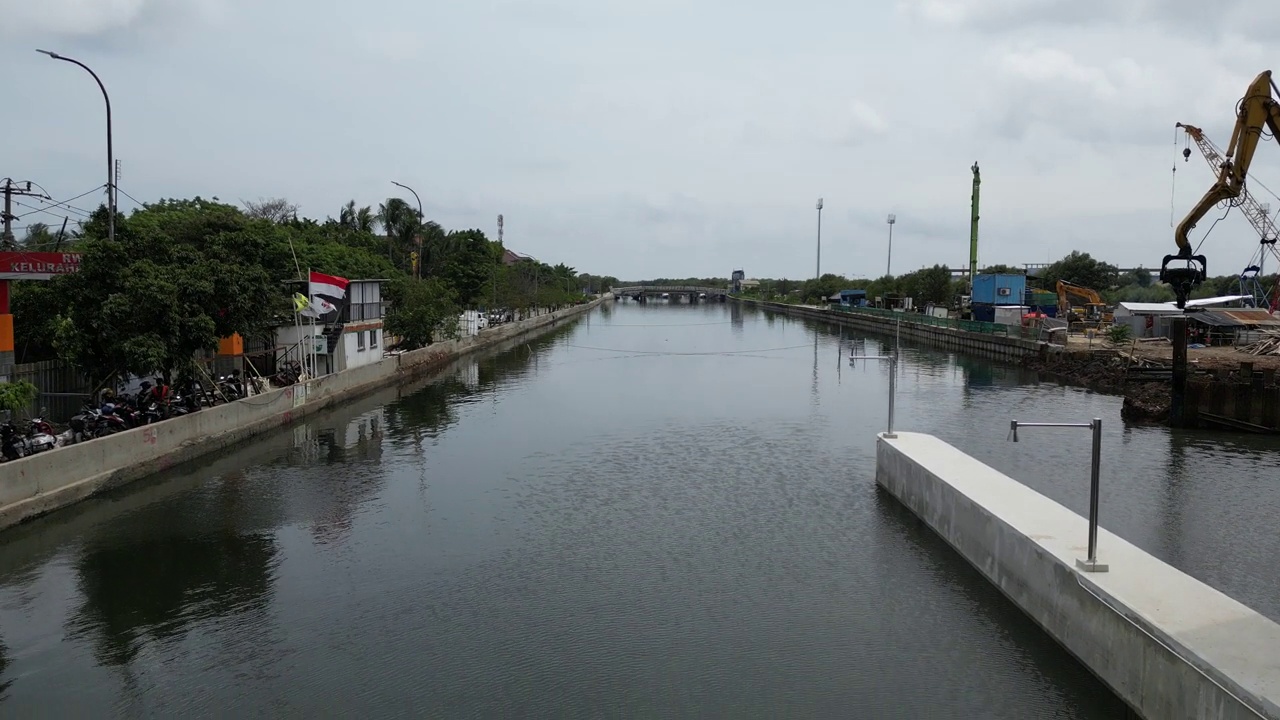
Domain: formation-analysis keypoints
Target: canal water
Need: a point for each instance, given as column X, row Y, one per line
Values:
column 656, row 511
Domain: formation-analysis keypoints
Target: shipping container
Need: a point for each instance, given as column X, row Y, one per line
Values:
column 993, row 289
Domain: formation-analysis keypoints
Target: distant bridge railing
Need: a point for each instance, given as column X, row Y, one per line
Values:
column 636, row 289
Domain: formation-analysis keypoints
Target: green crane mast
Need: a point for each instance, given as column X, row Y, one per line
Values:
column 973, row 227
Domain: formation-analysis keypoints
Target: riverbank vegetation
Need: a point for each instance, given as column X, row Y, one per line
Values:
column 180, row 274
column 937, row 285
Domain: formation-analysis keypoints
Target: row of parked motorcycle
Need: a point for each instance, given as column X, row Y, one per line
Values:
column 116, row 411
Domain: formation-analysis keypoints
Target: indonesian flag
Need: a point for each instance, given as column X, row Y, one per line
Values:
column 329, row 287
column 327, row 292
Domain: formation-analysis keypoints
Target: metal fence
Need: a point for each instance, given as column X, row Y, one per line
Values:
column 973, row 326
column 62, row 387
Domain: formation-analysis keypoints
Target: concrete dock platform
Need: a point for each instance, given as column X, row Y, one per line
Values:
column 1167, row 644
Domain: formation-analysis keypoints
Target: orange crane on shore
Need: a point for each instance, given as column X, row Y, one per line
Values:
column 1258, row 110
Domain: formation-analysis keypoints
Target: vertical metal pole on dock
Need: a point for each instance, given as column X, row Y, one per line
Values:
column 1094, row 489
column 1090, row 564
column 893, row 392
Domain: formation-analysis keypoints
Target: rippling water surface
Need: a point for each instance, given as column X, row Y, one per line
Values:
column 655, row 511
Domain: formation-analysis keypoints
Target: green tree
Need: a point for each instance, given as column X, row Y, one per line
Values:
column 360, row 220
column 1003, row 270
column 179, row 276
column 1081, row 269
column 933, row 285
column 421, row 312
column 17, row 396
column 465, row 260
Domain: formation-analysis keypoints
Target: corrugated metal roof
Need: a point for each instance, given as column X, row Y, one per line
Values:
column 1136, row 308
column 1244, row 317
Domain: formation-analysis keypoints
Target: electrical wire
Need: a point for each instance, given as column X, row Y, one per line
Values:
column 55, row 211
column 64, row 204
column 134, row 199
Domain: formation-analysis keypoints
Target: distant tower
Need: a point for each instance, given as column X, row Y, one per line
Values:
column 499, row 228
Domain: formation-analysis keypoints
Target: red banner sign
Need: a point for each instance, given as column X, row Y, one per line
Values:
column 36, row 265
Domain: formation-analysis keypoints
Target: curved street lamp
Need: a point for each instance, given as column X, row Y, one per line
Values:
column 421, row 216
column 111, row 163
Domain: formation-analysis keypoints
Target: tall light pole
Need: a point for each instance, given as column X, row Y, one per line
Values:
column 818, row 270
column 111, row 163
column 421, row 215
column 888, row 266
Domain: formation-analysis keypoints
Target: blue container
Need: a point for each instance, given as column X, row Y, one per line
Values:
column 999, row 289
column 984, row 312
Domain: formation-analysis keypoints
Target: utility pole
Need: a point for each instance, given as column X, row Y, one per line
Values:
column 417, row 269
column 818, row 269
column 888, row 265
column 973, row 227
column 10, row 189
column 111, row 163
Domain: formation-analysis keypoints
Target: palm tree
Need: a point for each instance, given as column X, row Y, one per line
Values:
column 400, row 222
column 360, row 220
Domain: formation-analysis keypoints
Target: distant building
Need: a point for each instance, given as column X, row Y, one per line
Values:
column 735, row 281
column 511, row 257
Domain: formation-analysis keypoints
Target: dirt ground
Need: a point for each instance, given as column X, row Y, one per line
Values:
column 1161, row 353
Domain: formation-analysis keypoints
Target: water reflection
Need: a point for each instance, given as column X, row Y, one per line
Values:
column 4, row 664
column 155, row 588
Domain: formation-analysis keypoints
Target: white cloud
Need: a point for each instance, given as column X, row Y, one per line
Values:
column 662, row 138
column 86, row 18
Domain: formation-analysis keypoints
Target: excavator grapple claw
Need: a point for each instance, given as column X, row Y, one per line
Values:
column 1183, row 279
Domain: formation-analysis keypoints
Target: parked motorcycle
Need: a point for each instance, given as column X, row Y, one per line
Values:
column 12, row 444
column 40, row 436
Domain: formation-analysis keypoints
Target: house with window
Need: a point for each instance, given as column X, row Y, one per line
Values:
column 351, row 338
column 361, row 340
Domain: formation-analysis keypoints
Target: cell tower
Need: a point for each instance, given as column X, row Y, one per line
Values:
column 499, row 228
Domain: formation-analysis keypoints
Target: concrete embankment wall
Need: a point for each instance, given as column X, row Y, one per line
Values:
column 1167, row 644
column 41, row 483
column 984, row 344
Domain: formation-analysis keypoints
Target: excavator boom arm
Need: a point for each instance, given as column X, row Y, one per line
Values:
column 1258, row 109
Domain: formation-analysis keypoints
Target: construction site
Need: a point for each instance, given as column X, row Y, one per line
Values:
column 1207, row 358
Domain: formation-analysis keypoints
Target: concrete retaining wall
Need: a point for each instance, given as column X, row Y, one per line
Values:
column 41, row 483
column 993, row 346
column 1167, row 644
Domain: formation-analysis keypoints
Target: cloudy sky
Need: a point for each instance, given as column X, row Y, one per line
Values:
column 661, row 138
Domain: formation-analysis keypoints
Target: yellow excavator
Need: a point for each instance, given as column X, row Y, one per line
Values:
column 1091, row 311
column 1258, row 109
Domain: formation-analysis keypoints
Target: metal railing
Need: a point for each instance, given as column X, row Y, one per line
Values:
column 1090, row 564
column 973, row 326
column 892, row 384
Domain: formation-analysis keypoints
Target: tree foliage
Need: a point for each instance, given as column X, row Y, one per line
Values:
column 15, row 396
column 421, row 311
column 181, row 274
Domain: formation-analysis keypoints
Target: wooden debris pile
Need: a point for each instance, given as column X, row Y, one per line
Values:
column 1268, row 345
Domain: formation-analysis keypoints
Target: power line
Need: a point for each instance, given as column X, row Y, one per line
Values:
column 6, row 216
column 66, row 204
column 134, row 199
column 53, row 210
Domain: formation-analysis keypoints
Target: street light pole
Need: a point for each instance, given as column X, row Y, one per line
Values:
column 888, row 266
column 111, row 163
column 818, row 269
column 421, row 215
